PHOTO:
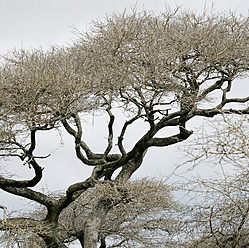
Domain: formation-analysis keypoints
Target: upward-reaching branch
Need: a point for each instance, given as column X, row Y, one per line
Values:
column 126, row 124
column 94, row 160
column 110, row 128
column 83, row 145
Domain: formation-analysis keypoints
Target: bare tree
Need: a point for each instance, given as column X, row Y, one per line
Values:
column 159, row 69
column 146, row 215
column 219, row 215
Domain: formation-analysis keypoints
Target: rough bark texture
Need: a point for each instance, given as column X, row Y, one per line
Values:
column 94, row 221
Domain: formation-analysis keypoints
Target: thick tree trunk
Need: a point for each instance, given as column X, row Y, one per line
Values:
column 93, row 223
column 95, row 218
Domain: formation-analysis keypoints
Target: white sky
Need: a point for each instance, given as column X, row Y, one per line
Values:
column 33, row 23
column 26, row 23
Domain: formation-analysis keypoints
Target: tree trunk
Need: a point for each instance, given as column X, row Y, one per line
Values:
column 95, row 218
column 93, row 223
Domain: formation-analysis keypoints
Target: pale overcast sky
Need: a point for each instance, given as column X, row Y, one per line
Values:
column 33, row 23
column 26, row 23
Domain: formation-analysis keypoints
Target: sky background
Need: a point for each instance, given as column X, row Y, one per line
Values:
column 26, row 23
column 34, row 23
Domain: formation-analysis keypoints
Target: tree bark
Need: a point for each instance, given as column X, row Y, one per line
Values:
column 93, row 223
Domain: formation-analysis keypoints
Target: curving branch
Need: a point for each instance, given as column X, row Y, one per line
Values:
column 94, row 159
column 217, row 85
column 110, row 128
column 183, row 135
column 237, row 100
column 31, row 195
column 24, row 183
column 27, row 154
column 122, row 134
column 214, row 111
column 83, row 145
